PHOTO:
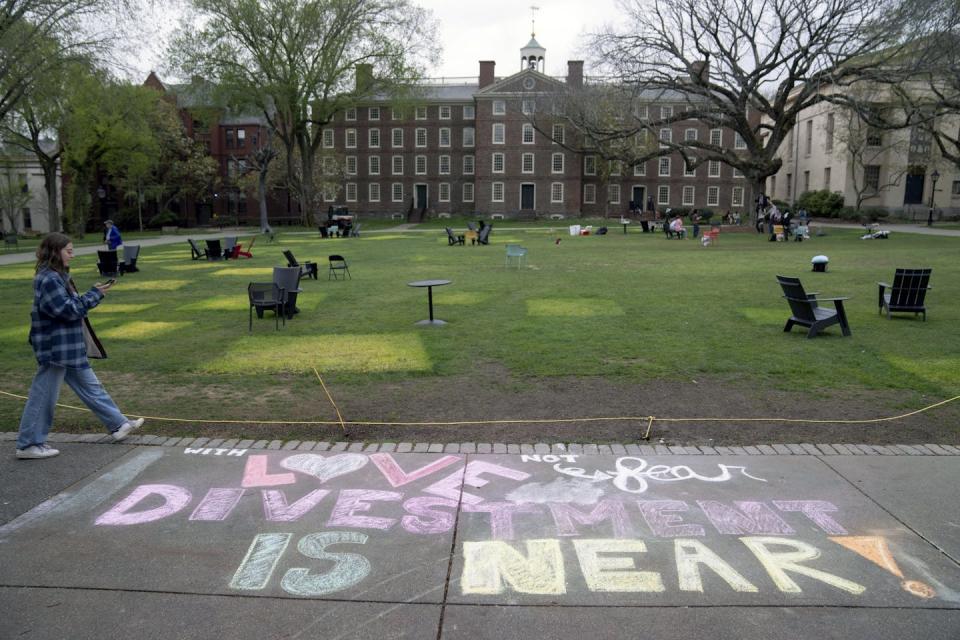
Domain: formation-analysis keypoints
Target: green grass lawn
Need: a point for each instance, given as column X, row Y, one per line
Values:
column 633, row 307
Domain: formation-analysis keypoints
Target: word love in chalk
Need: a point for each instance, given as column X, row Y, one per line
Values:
column 322, row 468
column 632, row 474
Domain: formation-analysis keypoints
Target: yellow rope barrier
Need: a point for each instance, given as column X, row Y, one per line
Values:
column 650, row 419
column 330, row 398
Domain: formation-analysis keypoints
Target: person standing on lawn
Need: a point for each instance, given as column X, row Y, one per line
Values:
column 113, row 235
column 60, row 339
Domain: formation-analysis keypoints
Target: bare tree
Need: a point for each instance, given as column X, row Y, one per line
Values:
column 295, row 62
column 750, row 66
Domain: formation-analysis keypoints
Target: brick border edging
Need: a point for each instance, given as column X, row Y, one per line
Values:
column 803, row 449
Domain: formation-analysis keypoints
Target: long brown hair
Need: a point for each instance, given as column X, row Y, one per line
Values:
column 48, row 253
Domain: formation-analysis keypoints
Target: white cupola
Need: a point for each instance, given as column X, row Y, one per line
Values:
column 533, row 56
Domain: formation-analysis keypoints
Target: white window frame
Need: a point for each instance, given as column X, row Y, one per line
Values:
column 713, row 196
column 589, row 193
column 469, row 137
column 373, row 165
column 441, row 188
column 494, row 187
column 328, row 138
column 613, row 193
column 420, row 165
column 469, row 113
column 373, row 192
column 373, row 138
column 688, row 195
column 663, row 167
column 395, row 163
column 666, row 136
column 524, row 160
column 351, row 191
column 443, row 137
column 499, row 108
column 396, row 192
column 502, row 158
column 469, row 165
column 590, row 165
column 640, row 169
column 396, row 138
column 498, row 130
column 373, row 113
column 350, row 114
column 420, row 113
column 736, row 197
column 716, row 137
column 738, row 142
column 555, row 166
column 445, row 113
column 467, row 188
column 666, row 111
column 689, row 172
column 713, row 169
column 443, row 165
column 350, row 165
column 527, row 135
column 555, row 189
column 663, row 195
column 615, row 167
column 420, row 137
column 528, row 107
column 559, row 134
column 350, row 138
column 690, row 134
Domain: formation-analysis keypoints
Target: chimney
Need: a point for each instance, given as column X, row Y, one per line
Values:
column 575, row 74
column 700, row 71
column 486, row 73
column 364, row 78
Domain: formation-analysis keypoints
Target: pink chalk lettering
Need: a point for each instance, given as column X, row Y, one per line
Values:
column 217, row 505
column 452, row 485
column 664, row 525
column 174, row 499
column 425, row 520
column 566, row 516
column 501, row 516
column 754, row 518
column 255, row 474
column 351, row 501
column 816, row 510
column 276, row 509
column 397, row 477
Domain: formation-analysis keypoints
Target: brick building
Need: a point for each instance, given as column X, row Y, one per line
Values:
column 478, row 147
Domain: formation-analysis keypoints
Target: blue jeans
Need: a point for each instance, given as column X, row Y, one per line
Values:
column 38, row 414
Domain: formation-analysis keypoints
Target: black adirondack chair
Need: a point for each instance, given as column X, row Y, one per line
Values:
column 196, row 252
column 214, row 250
column 484, row 237
column 907, row 294
column 453, row 239
column 130, row 254
column 107, row 263
column 266, row 296
column 806, row 311
column 308, row 268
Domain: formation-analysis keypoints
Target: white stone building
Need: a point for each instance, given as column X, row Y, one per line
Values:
column 24, row 169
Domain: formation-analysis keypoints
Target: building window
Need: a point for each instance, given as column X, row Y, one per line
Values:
column 640, row 169
column 826, row 178
column 498, row 133
column 738, row 141
column 444, row 136
column 589, row 193
column 420, row 113
column 468, row 192
column 497, row 192
column 373, row 113
column 468, row 164
column 640, row 139
column 613, row 194
column 351, row 165
column 351, row 114
column 955, row 190
column 556, row 163
column 663, row 194
column 688, row 194
column 789, row 185
column 373, row 138
column 351, row 135
column 874, row 137
column 396, row 138
column 373, row 192
column 666, row 112
column 829, row 132
column 616, row 167
column 526, row 163
column 444, row 112
column 444, row 195
column 559, row 134
column 499, row 109
column 420, row 165
column 444, row 165
column 871, row 177
column 689, row 171
column 396, row 167
column 556, row 192
column 469, row 136
column 713, row 169
column 806, row 181
column 329, row 192
column 397, row 192
column 498, row 163
column 241, row 137
column 329, row 165
column 641, row 112
column 328, row 138
column 808, row 142
column 737, row 197
column 666, row 136
column 664, row 167
column 396, row 114
column 27, row 220
column 229, row 136
column 469, row 113
column 716, row 137
column 373, row 165
column 528, row 107
column 713, row 196
column 737, row 173
column 421, row 137
column 590, row 165
column 527, row 133
column 690, row 134
column 351, row 192
column 773, row 186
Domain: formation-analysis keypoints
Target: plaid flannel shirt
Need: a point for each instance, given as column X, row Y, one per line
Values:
column 56, row 320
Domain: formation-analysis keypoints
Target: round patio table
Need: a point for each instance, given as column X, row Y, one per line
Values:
column 429, row 284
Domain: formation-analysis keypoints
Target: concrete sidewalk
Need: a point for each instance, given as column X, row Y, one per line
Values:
column 311, row 540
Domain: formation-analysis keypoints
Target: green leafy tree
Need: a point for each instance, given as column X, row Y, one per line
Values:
column 294, row 61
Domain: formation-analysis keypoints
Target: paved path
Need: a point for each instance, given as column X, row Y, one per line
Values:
column 308, row 540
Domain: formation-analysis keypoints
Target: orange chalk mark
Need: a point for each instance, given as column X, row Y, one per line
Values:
column 873, row 548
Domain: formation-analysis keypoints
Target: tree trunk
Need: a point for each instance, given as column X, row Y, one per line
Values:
column 262, row 195
column 306, row 179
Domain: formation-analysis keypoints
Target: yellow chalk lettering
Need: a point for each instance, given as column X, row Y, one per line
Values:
column 692, row 553
column 610, row 573
column 778, row 563
column 490, row 565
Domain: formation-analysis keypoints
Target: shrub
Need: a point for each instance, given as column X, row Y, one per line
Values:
column 163, row 219
column 873, row 214
column 822, row 204
column 781, row 204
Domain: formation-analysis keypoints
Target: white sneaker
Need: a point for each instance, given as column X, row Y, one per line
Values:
column 37, row 452
column 125, row 430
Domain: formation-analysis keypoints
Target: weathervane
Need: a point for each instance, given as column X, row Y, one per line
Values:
column 533, row 20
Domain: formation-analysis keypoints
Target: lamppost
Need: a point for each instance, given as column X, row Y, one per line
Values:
column 933, row 191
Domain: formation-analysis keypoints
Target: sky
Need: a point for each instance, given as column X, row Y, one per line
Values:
column 469, row 31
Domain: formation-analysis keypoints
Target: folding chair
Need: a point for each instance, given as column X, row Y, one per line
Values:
column 337, row 263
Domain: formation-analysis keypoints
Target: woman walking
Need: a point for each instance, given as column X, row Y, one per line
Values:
column 59, row 338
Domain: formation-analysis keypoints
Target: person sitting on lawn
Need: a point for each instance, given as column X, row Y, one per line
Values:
column 676, row 227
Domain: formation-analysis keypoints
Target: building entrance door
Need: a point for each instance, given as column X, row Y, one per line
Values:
column 527, row 196
column 913, row 189
column 421, row 197
column 636, row 200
